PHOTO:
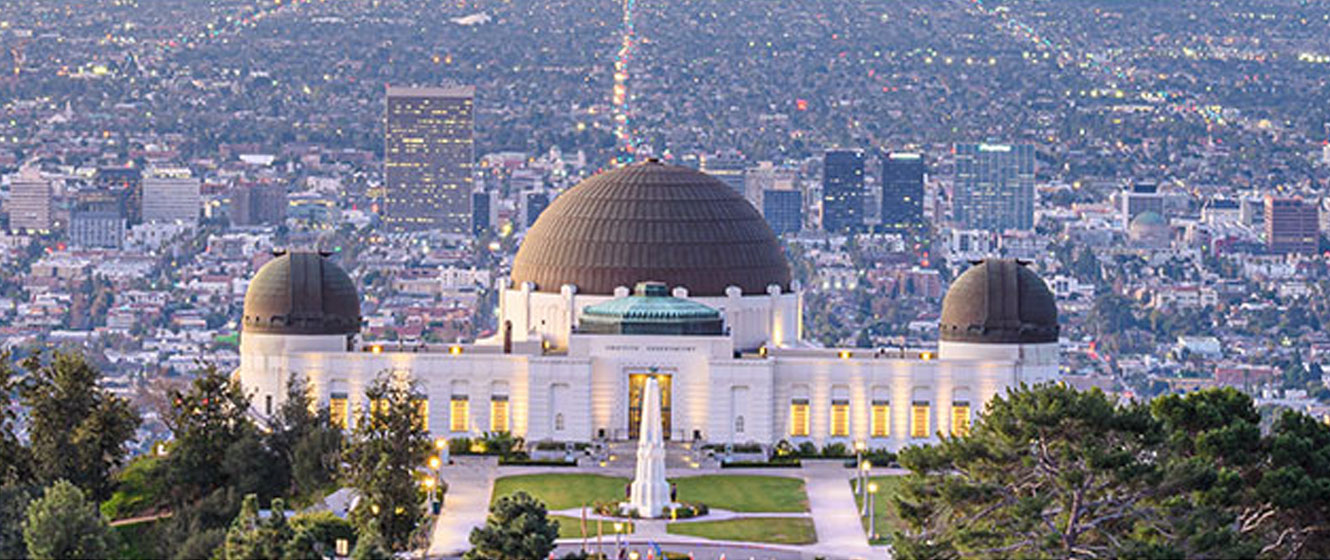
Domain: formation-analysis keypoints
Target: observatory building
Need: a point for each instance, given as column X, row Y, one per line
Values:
column 655, row 271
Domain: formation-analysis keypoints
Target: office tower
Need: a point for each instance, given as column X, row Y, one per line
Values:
column 428, row 154
column 483, row 212
column 262, row 203
column 1291, row 226
column 97, row 220
column 533, row 203
column 843, row 191
column 994, row 187
column 783, row 210
column 171, row 195
column 30, row 202
column 902, row 192
column 767, row 177
column 128, row 183
column 727, row 166
column 1141, row 197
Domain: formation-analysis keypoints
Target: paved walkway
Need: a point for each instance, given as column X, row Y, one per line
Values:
column 839, row 530
column 470, row 482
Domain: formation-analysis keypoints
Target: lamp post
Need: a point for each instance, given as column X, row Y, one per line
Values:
column 864, row 469
column 858, row 476
column 618, row 538
column 872, row 511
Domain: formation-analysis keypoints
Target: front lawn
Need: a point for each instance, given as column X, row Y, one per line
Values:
column 774, row 530
column 562, row 491
column 745, row 493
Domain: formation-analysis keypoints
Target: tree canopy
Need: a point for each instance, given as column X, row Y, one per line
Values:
column 1049, row 471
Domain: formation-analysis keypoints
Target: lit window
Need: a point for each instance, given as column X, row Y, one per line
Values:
column 499, row 413
column 960, row 418
column 423, row 406
column 337, row 410
column 881, row 419
column 919, row 419
column 460, row 410
column 840, row 418
column 799, row 418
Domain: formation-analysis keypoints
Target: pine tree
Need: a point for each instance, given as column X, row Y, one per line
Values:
column 76, row 429
column 63, row 524
column 388, row 445
column 518, row 528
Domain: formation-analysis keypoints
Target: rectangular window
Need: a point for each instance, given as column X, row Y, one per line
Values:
column 799, row 418
column 499, row 414
column 460, row 411
column 919, row 419
column 423, row 406
column 337, row 410
column 881, row 419
column 840, row 418
column 960, row 418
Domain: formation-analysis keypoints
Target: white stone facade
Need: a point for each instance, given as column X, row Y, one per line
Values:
column 581, row 392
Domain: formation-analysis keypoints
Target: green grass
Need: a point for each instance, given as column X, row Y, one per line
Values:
column 885, row 518
column 562, row 491
column 571, row 528
column 774, row 530
column 745, row 493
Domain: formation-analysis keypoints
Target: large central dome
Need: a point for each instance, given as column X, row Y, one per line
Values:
column 651, row 222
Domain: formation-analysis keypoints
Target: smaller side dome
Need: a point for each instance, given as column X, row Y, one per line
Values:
column 999, row 301
column 302, row 293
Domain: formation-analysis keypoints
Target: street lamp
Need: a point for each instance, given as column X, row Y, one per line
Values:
column 858, row 459
column 864, row 468
column 872, row 510
column 618, row 538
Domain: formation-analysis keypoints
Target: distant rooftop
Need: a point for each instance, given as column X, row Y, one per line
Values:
column 455, row 91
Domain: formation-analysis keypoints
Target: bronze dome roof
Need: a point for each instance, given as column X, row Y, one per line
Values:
column 301, row 293
column 651, row 222
column 999, row 301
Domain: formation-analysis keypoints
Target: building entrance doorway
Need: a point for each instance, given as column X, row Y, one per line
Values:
column 636, row 384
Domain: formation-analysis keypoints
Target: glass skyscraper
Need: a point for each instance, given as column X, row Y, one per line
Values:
column 902, row 192
column 843, row 191
column 429, row 151
column 994, row 188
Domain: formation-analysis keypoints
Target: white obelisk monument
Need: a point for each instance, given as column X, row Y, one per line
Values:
column 650, row 494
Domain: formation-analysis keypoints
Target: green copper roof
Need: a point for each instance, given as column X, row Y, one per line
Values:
column 651, row 310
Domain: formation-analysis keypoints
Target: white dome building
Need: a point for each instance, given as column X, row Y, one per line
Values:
column 715, row 320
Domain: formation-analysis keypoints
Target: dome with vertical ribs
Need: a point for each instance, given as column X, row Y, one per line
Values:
column 999, row 301
column 651, row 222
column 302, row 293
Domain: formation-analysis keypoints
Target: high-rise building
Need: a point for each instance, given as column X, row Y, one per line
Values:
column 728, row 166
column 483, row 212
column 843, row 191
column 97, row 220
column 533, row 203
column 1291, row 226
column 262, row 203
column 171, row 195
column 994, row 188
column 1139, row 198
column 783, row 210
column 428, row 156
column 902, row 192
column 128, row 183
column 30, row 202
